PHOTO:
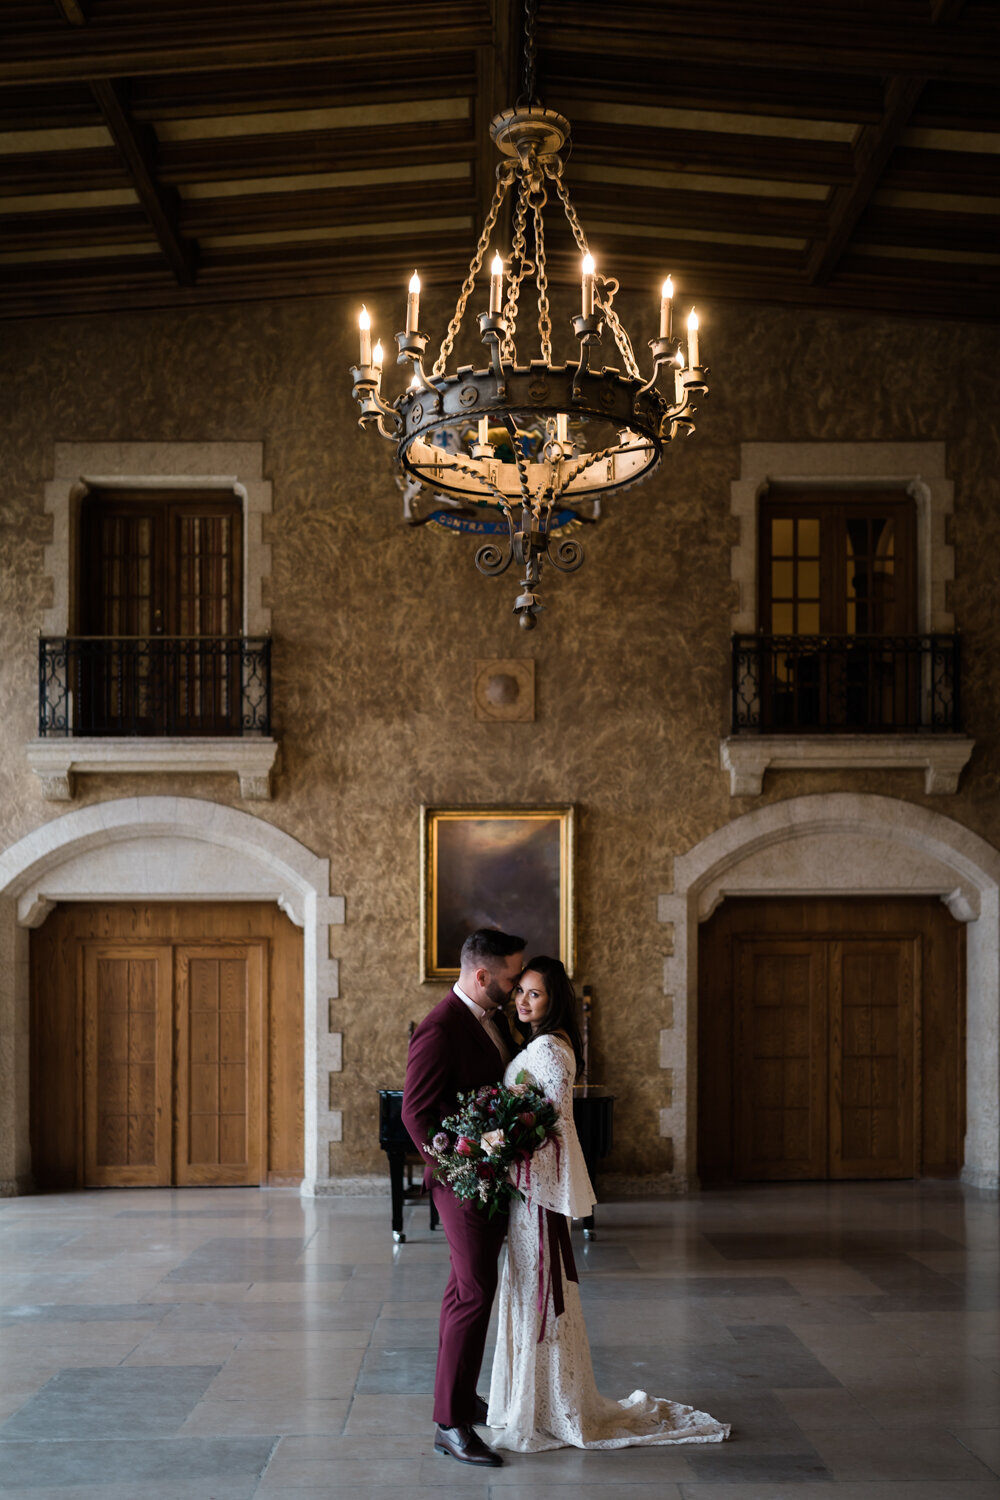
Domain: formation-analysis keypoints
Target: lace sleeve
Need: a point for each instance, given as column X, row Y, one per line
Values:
column 552, row 1066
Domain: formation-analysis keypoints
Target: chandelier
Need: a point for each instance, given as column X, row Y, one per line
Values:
column 534, row 437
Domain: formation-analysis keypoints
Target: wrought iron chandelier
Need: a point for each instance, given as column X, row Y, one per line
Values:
column 569, row 433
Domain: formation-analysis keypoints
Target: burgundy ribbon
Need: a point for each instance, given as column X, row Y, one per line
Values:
column 560, row 1261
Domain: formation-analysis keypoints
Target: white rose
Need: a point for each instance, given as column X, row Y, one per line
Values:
column 492, row 1140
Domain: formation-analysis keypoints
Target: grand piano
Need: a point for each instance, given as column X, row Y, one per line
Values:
column 593, row 1115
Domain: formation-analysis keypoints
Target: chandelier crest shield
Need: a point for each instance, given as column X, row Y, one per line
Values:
column 534, row 437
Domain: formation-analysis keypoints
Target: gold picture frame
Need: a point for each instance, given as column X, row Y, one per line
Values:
column 508, row 867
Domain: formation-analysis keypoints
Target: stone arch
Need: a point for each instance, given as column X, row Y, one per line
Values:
column 850, row 845
column 162, row 849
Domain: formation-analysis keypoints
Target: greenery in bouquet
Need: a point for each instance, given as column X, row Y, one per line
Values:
column 494, row 1129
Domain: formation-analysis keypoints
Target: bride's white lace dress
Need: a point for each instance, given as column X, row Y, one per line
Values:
column 542, row 1393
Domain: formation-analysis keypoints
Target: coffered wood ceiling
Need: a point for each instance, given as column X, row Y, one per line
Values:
column 192, row 151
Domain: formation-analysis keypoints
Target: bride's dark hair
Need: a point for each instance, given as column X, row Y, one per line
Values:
column 561, row 1014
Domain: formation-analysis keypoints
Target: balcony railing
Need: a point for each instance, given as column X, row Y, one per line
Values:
column 846, row 684
column 154, row 685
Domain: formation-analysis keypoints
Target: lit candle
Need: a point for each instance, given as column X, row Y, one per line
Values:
column 692, row 338
column 666, row 308
column 679, row 376
column 413, row 305
column 561, row 420
column 377, row 355
column 587, row 305
column 365, row 324
column 496, row 285
column 484, row 431
column 414, row 382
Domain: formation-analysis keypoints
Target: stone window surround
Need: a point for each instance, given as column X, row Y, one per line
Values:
column 918, row 469
column 82, row 467
column 841, row 844
column 166, row 849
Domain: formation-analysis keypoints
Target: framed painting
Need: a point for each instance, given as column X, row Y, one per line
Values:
column 507, row 867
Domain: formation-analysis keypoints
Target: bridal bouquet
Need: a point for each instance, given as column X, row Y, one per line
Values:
column 494, row 1128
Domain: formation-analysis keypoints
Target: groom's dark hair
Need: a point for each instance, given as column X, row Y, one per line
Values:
column 487, row 946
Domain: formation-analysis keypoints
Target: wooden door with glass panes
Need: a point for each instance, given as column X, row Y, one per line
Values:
column 841, row 573
column 160, row 586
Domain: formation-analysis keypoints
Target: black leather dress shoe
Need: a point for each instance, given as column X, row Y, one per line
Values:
column 467, row 1446
column 482, row 1407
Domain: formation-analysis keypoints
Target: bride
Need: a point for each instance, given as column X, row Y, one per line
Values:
column 542, row 1391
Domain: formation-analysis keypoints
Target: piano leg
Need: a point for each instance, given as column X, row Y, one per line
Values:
column 395, row 1155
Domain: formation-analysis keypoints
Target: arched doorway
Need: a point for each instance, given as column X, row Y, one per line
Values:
column 843, row 845
column 162, row 849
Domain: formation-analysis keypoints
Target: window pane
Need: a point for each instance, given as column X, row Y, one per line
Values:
column 782, row 580
column 808, row 619
column 808, row 580
column 782, row 619
column 809, row 537
column 781, row 538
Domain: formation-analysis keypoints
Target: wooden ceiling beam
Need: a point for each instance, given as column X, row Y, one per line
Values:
column 239, row 157
column 872, row 150
column 58, row 288
column 137, row 147
column 202, row 95
column 797, row 218
column 93, row 168
column 569, row 78
column 802, row 38
column 973, row 174
column 778, row 158
column 929, row 230
column 163, row 42
column 73, row 11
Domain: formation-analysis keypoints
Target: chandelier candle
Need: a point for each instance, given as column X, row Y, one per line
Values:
column 413, row 305
column 693, row 338
column 365, row 324
column 587, row 298
column 539, row 482
column 666, row 308
column 377, row 355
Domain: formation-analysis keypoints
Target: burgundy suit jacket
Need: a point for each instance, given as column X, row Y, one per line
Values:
column 450, row 1053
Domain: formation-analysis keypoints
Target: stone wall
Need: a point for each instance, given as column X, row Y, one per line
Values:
column 377, row 628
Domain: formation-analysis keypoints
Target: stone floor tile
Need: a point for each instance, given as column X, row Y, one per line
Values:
column 266, row 1413
column 136, row 1462
column 296, row 1291
column 166, row 1348
column 826, row 1410
column 310, row 1373
column 371, row 1415
column 933, row 1489
column 984, row 1442
column 93, row 1403
column 898, row 1456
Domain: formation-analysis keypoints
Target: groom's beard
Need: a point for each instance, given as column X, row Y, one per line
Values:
column 496, row 993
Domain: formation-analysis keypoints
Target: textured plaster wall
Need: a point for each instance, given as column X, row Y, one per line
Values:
column 377, row 629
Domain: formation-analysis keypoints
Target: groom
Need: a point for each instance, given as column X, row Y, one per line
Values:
column 463, row 1043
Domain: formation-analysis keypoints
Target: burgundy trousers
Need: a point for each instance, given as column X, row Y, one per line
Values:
column 474, row 1242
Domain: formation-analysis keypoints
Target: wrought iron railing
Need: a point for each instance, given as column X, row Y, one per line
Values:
column 846, row 684
column 154, row 685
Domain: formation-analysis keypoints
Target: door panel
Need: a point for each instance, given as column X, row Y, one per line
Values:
column 260, row 1137
column 780, row 1060
column 127, row 1065
column 872, row 987
column 218, row 1064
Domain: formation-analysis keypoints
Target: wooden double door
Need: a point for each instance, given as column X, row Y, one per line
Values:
column 166, row 1047
column 830, row 1040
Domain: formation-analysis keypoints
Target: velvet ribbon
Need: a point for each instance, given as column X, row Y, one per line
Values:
column 553, row 1226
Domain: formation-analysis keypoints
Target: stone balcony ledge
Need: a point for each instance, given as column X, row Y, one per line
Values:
column 57, row 761
column 941, row 757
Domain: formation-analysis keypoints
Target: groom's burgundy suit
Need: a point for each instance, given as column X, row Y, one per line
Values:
column 451, row 1053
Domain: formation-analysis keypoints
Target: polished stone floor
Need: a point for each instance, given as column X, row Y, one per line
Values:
column 229, row 1344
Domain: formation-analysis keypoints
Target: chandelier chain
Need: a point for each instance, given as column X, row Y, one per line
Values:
column 508, row 348
column 604, row 292
column 505, row 176
column 606, row 288
column 530, row 18
column 542, row 281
